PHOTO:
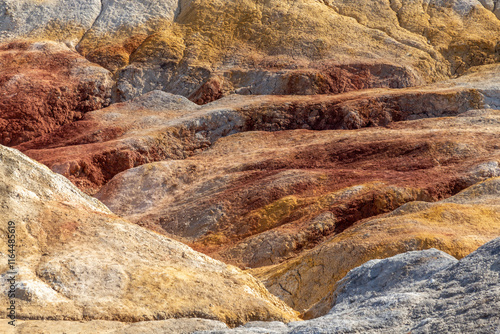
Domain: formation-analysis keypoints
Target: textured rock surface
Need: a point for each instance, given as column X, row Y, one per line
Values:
column 174, row 326
column 457, row 225
column 258, row 198
column 57, row 20
column 418, row 292
column 77, row 261
column 205, row 49
column 268, row 48
column 44, row 86
column 403, row 91
column 159, row 126
column 484, row 79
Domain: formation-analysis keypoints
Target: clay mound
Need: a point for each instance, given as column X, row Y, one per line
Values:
column 457, row 226
column 415, row 292
column 161, row 126
column 44, row 86
column 78, row 261
column 259, row 198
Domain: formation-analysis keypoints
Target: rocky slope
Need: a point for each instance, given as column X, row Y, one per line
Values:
column 44, row 86
column 78, row 261
column 206, row 49
column 160, row 126
column 174, row 326
column 296, row 138
column 457, row 225
column 418, row 292
column 258, row 198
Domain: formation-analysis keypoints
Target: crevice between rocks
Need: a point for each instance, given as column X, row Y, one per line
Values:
column 77, row 47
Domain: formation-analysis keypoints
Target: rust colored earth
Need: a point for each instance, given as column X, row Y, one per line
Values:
column 39, row 93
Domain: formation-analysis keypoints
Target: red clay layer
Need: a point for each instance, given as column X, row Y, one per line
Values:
column 98, row 144
column 38, row 93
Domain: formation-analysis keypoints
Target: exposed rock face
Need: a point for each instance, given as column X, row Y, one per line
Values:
column 78, row 261
column 421, row 292
column 259, row 198
column 57, row 20
column 206, row 49
column 485, row 81
column 418, row 292
column 298, row 138
column 177, row 326
column 159, row 126
column 44, row 86
column 457, row 225
column 270, row 48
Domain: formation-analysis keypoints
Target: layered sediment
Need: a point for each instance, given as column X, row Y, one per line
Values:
column 295, row 139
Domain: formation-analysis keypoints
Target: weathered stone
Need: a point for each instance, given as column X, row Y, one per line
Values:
column 57, row 20
column 177, row 326
column 457, row 225
column 44, row 86
column 259, row 198
column 271, row 48
column 418, row 292
column 230, row 177
column 77, row 261
column 206, row 49
column 120, row 137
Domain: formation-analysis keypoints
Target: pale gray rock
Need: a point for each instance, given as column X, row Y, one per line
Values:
column 177, row 326
column 174, row 326
column 485, row 81
column 483, row 171
column 62, row 20
column 118, row 14
column 416, row 292
column 33, row 184
column 140, row 77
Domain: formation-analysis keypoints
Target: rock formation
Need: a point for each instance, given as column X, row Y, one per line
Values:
column 175, row 326
column 160, row 126
column 45, row 85
column 205, row 49
column 415, row 292
column 258, row 198
column 78, row 261
column 456, row 225
column 296, row 139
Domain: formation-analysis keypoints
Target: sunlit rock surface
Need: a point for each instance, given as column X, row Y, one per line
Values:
column 297, row 138
column 418, row 292
column 78, row 261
